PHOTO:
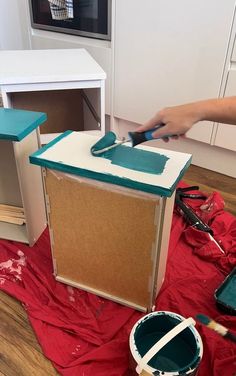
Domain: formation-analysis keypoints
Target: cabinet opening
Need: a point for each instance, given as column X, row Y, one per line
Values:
column 12, row 217
column 73, row 109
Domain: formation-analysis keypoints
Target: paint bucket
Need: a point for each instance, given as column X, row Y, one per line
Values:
column 165, row 343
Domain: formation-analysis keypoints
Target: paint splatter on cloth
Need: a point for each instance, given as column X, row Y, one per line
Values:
column 83, row 334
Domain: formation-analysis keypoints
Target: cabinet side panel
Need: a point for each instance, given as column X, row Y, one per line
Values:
column 167, row 214
column 103, row 239
column 31, row 185
column 9, row 184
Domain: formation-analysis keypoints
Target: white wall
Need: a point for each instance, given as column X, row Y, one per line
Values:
column 14, row 33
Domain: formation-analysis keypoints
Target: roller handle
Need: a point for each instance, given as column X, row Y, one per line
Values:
column 140, row 137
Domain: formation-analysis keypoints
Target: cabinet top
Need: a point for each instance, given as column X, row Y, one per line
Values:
column 42, row 66
column 71, row 153
column 17, row 124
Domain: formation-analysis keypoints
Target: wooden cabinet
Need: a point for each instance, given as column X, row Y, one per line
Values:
column 168, row 53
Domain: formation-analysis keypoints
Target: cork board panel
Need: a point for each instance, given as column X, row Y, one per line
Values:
column 103, row 239
column 64, row 108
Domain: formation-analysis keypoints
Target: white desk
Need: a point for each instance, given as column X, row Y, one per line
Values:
column 51, row 71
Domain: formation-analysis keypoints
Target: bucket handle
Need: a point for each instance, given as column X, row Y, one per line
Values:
column 163, row 341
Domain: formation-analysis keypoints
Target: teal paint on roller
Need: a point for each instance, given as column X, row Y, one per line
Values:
column 139, row 160
column 106, row 141
column 134, row 159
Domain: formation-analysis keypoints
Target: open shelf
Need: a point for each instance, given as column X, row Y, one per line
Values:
column 66, row 109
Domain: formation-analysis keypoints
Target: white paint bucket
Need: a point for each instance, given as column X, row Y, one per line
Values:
column 165, row 343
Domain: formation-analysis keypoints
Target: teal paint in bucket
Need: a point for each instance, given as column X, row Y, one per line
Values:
column 180, row 356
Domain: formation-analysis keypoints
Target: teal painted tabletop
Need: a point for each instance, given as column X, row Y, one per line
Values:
column 17, row 124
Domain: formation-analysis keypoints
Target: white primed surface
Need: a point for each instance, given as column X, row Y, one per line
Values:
column 170, row 55
column 74, row 150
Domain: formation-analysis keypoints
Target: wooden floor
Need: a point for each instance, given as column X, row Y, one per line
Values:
column 20, row 353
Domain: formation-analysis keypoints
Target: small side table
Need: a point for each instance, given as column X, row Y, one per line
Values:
column 21, row 186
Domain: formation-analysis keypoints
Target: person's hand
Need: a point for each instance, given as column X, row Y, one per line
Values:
column 177, row 121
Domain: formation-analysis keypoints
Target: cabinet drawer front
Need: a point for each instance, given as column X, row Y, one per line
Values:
column 233, row 56
column 226, row 134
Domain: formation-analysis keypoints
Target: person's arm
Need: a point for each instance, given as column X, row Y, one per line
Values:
column 179, row 119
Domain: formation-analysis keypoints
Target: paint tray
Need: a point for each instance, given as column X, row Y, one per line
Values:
column 225, row 294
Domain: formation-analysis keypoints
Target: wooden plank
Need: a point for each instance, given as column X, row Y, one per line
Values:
column 11, row 208
column 14, row 220
column 12, row 214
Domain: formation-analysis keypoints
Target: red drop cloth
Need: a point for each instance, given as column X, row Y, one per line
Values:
column 84, row 335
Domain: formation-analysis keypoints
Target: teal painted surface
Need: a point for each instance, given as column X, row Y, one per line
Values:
column 36, row 159
column 107, row 140
column 131, row 158
column 179, row 355
column 139, row 160
column 17, row 124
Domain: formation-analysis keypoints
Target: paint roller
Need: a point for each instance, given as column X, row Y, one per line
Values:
column 108, row 141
